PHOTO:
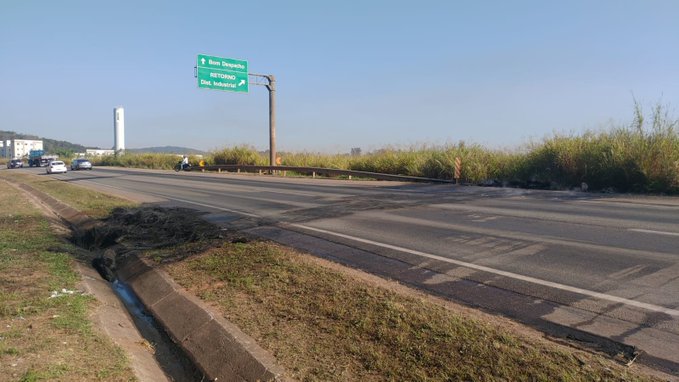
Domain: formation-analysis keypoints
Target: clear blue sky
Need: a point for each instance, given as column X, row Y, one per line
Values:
column 350, row 74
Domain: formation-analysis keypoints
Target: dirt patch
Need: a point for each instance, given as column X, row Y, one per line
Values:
column 162, row 234
column 181, row 231
column 150, row 227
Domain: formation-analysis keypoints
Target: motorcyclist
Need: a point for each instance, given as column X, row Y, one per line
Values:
column 185, row 162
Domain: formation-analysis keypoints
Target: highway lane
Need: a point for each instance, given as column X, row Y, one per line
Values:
column 601, row 264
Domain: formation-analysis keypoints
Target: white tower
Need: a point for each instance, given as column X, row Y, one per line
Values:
column 118, row 129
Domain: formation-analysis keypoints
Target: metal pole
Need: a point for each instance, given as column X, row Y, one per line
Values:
column 272, row 119
column 271, row 86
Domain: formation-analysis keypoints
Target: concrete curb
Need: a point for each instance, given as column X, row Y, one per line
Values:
column 221, row 350
column 217, row 347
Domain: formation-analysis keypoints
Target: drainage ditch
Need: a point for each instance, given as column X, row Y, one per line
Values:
column 128, row 230
column 172, row 360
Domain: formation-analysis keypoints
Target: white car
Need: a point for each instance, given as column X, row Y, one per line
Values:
column 56, row 166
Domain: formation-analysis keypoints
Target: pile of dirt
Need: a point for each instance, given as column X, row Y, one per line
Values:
column 151, row 227
column 181, row 230
column 161, row 227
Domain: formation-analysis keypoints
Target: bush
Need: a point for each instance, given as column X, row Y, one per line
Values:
column 242, row 155
column 306, row 159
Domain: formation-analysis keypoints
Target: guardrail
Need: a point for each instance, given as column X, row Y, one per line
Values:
column 313, row 171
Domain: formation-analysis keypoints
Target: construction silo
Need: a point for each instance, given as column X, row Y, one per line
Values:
column 118, row 129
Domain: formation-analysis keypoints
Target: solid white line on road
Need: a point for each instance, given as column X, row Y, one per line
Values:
column 209, row 206
column 568, row 288
column 654, row 232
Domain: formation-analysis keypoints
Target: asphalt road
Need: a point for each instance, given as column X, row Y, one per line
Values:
column 597, row 267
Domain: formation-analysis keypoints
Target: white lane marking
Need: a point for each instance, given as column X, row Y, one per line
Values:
column 565, row 216
column 211, row 206
column 516, row 235
column 654, row 232
column 627, row 272
column 568, row 288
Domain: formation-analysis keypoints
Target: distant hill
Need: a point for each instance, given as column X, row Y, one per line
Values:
column 167, row 150
column 52, row 146
column 63, row 148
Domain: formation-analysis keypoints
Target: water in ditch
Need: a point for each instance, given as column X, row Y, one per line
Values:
column 169, row 356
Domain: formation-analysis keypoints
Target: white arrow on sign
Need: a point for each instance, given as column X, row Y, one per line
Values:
column 241, row 83
column 202, row 60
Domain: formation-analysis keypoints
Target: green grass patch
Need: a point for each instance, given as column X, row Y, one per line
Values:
column 92, row 203
column 323, row 325
column 45, row 336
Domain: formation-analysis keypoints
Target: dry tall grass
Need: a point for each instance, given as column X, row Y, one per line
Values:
column 145, row 160
column 642, row 156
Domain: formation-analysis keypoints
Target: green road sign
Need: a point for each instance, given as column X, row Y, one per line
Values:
column 222, row 74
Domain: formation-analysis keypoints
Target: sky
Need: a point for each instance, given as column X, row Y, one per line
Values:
column 366, row 74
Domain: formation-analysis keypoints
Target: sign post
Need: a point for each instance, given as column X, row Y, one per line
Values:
column 271, row 86
column 228, row 74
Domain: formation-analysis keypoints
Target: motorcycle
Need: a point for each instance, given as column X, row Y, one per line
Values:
column 178, row 167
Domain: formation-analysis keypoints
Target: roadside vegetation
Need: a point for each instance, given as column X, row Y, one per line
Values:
column 45, row 332
column 139, row 160
column 91, row 203
column 642, row 156
column 321, row 321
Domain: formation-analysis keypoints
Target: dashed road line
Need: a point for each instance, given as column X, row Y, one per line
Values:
column 653, row 232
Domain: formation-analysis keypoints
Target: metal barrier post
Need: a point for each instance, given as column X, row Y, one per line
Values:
column 458, row 169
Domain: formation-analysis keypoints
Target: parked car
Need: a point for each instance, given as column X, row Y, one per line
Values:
column 15, row 163
column 81, row 164
column 56, row 166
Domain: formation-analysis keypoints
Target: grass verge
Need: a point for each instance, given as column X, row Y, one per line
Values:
column 45, row 334
column 322, row 324
column 92, row 203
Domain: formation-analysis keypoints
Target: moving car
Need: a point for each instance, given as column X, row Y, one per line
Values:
column 81, row 164
column 15, row 163
column 56, row 166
